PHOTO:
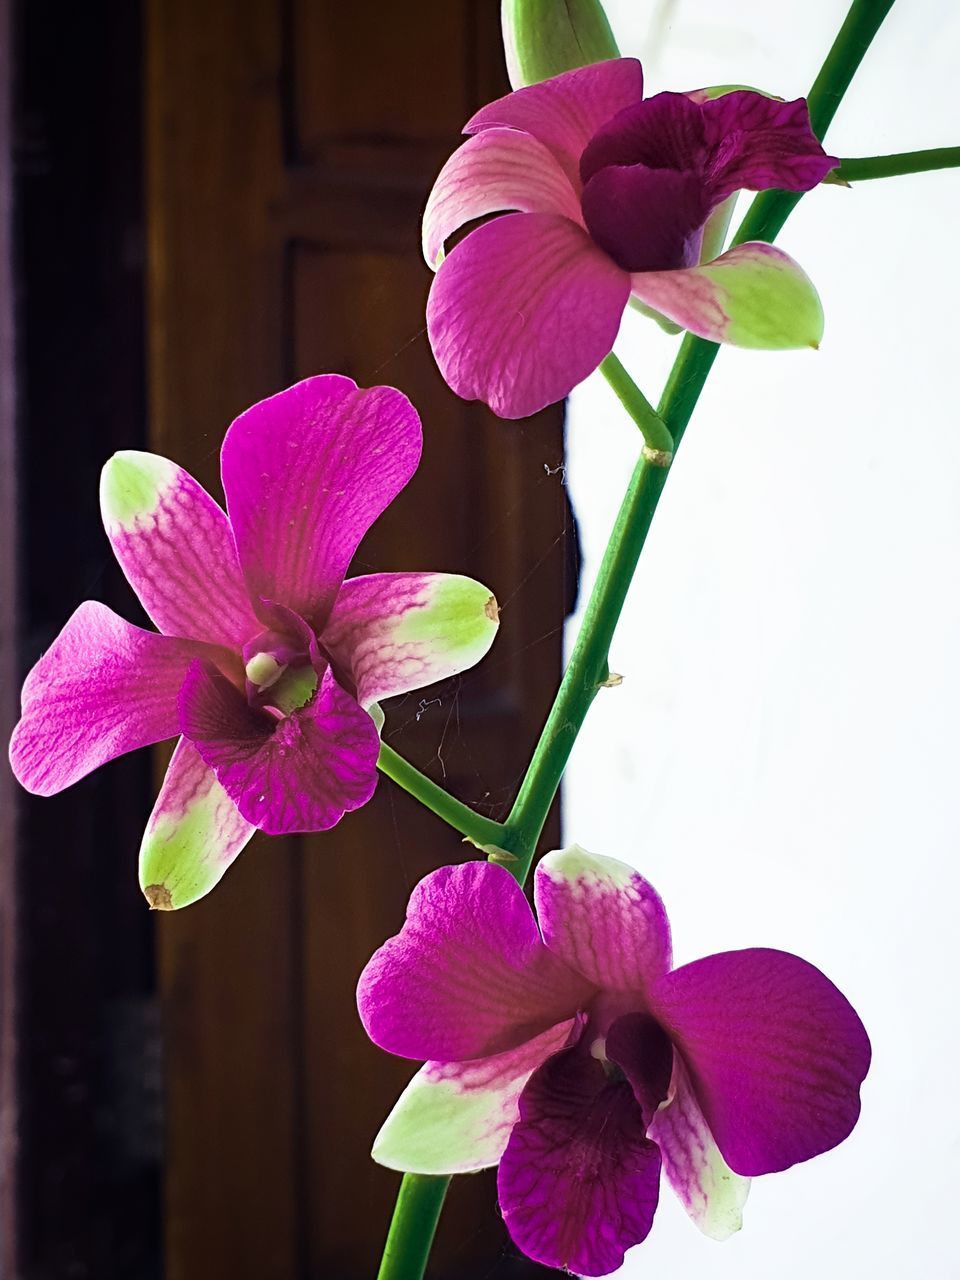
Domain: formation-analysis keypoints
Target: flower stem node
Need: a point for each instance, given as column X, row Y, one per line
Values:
column 613, row 681
column 494, row 853
column 657, row 457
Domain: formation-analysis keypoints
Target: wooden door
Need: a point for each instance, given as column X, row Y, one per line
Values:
column 291, row 145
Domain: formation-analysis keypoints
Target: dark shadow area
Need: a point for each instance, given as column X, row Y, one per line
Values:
column 87, row 1072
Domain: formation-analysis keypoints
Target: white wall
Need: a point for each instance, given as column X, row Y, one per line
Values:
column 782, row 757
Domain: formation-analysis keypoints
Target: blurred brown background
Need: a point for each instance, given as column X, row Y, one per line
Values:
column 202, row 201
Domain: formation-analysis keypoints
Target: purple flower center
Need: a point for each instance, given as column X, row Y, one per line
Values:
column 630, row 1044
column 280, row 675
column 646, row 184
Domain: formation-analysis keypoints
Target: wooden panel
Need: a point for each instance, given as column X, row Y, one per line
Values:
column 360, row 77
column 228, row 966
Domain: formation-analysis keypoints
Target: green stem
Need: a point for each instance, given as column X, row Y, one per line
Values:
column 868, row 167
column 413, row 1227
column 420, row 1200
column 481, row 830
column 654, row 430
column 587, row 669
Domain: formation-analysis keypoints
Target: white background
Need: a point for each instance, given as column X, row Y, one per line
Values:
column 782, row 758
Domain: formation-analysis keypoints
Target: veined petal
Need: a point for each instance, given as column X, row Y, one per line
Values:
column 712, row 1194
column 497, row 170
column 522, row 310
column 194, row 833
column 602, row 918
column 468, row 975
column 175, row 546
column 664, row 133
column 399, row 631
column 456, row 1117
column 104, row 687
column 711, row 246
column 646, row 219
column 751, row 296
column 579, row 1181
column 301, row 773
column 566, row 111
column 758, row 142
column 775, row 1052
column 306, row 473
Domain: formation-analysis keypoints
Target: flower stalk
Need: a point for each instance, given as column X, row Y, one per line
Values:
column 866, row 168
column 473, row 825
column 420, row 1199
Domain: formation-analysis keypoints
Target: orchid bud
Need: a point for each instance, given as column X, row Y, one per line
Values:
column 542, row 38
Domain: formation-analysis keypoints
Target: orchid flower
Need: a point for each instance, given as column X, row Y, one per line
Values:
column 577, row 1058
column 267, row 662
column 617, row 198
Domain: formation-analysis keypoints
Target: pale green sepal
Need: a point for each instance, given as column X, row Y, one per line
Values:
column 132, row 485
column 193, row 835
column 725, row 1194
column 721, row 91
column 456, row 1117
column 712, row 1194
column 455, row 624
column 771, row 303
column 753, row 295
column 543, row 38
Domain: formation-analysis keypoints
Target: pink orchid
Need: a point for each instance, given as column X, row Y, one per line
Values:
column 268, row 663
column 617, row 197
column 575, row 1056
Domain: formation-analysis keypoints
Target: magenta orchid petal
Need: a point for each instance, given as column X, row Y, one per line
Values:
column 393, row 632
column 104, row 687
column 646, row 219
column 176, row 548
column 712, row 1194
column 751, row 296
column 456, row 1117
column 522, row 310
column 579, row 1180
column 194, row 833
column 298, row 773
column 665, row 132
column 468, row 975
column 757, row 142
column 564, row 113
column 495, row 171
column 603, row 919
column 306, row 473
column 775, row 1052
